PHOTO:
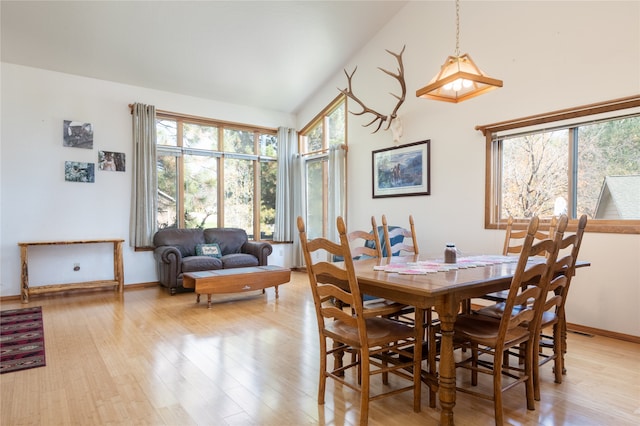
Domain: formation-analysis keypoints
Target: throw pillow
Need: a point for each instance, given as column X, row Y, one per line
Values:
column 212, row 250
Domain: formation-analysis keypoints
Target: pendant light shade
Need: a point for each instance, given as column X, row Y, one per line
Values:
column 459, row 78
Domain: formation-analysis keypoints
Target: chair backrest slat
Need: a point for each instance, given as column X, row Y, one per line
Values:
column 514, row 238
column 370, row 246
column 391, row 234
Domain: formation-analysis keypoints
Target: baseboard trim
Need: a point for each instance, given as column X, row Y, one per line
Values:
column 583, row 329
column 141, row 285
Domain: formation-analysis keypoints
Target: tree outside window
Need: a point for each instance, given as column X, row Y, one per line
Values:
column 213, row 174
column 591, row 167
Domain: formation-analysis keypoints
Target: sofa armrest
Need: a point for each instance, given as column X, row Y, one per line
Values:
column 167, row 254
column 168, row 259
column 259, row 249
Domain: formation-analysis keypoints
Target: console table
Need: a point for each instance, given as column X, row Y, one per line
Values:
column 118, row 274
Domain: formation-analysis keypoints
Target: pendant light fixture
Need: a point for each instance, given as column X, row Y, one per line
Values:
column 459, row 78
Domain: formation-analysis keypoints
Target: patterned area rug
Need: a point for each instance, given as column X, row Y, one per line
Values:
column 21, row 339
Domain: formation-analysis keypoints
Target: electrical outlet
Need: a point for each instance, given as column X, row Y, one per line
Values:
column 76, row 267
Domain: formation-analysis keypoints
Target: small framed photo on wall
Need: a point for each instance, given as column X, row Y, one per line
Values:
column 77, row 134
column 111, row 161
column 75, row 171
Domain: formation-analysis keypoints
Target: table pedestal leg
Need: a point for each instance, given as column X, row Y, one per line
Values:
column 447, row 376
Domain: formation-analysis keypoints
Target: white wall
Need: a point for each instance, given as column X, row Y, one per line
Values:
column 550, row 55
column 37, row 203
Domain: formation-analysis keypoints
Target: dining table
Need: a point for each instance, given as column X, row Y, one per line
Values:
column 428, row 283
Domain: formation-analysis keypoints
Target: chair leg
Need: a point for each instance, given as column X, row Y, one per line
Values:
column 364, row 391
column 497, row 391
column 562, row 319
column 323, row 372
column 337, row 359
column 505, row 358
column 535, row 367
column 474, row 364
column 528, row 371
column 385, row 375
column 558, row 362
column 431, row 364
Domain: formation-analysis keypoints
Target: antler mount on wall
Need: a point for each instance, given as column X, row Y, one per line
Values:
column 377, row 117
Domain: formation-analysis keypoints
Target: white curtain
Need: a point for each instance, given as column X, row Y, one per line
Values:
column 142, row 224
column 299, row 204
column 285, row 221
column 336, row 190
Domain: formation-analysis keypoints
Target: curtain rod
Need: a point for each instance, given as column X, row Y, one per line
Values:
column 322, row 151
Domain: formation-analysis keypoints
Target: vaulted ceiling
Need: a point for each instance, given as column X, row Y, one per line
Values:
column 265, row 54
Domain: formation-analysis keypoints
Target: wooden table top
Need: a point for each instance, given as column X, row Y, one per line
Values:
column 420, row 289
column 51, row 243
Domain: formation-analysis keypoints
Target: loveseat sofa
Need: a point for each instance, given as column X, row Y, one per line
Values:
column 190, row 250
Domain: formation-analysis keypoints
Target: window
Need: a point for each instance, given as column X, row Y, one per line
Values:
column 213, row 174
column 589, row 165
column 325, row 131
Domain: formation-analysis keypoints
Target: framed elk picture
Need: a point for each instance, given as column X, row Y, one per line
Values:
column 401, row 170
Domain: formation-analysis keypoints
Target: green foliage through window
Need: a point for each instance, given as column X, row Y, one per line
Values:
column 213, row 174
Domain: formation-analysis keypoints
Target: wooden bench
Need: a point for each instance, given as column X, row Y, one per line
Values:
column 235, row 280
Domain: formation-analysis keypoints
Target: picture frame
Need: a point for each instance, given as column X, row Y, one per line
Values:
column 75, row 171
column 402, row 171
column 111, row 161
column 77, row 134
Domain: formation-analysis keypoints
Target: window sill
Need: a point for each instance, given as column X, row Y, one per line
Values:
column 593, row 225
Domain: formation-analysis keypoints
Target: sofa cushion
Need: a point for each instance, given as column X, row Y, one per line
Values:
column 212, row 250
column 239, row 260
column 185, row 240
column 200, row 263
column 230, row 240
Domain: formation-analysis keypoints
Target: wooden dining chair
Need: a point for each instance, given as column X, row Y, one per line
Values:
column 366, row 244
column 383, row 345
column 552, row 312
column 395, row 239
column 490, row 337
column 396, row 242
column 513, row 242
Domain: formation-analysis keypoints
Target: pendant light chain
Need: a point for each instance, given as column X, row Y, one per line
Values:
column 457, row 28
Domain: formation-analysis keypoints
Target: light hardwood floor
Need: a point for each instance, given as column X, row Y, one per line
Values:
column 149, row 358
